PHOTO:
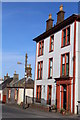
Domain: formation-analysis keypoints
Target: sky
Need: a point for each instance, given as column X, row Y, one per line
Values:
column 21, row 22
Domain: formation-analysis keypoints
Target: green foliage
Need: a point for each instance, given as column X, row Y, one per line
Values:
column 62, row 110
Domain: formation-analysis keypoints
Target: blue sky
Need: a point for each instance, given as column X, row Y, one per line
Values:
column 21, row 22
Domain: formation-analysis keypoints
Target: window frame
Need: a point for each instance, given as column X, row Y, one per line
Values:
column 41, row 70
column 41, row 48
column 66, row 44
column 16, row 95
column 38, row 93
column 65, row 64
column 50, row 77
column 49, row 93
column 51, row 50
column 9, row 93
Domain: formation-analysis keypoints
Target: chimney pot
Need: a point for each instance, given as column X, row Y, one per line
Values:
column 50, row 16
column 7, row 74
column 61, row 8
column 14, row 72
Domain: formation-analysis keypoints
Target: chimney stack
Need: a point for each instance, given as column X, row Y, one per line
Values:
column 6, row 77
column 49, row 23
column 16, row 76
column 60, row 15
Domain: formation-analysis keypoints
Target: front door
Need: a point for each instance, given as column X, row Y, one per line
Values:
column 64, row 97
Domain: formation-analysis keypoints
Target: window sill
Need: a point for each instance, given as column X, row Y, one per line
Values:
column 51, row 51
column 65, row 45
column 40, row 55
column 64, row 76
column 39, row 79
column 49, row 77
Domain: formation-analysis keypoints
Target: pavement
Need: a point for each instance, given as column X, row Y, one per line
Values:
column 14, row 111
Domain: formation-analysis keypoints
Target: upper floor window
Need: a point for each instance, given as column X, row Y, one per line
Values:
column 40, row 69
column 65, row 65
column 50, row 68
column 66, row 37
column 41, row 48
column 51, row 48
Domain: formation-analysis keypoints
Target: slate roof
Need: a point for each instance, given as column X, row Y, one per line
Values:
column 5, row 83
column 21, row 83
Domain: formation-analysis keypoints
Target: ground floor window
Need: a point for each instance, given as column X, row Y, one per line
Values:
column 38, row 93
column 16, row 94
column 49, row 94
column 9, row 94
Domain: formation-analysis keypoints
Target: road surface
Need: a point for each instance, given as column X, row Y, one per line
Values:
column 11, row 111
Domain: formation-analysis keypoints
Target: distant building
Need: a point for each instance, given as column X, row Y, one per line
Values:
column 16, row 90
column 3, row 86
column 1, row 95
column 19, row 91
column 58, row 62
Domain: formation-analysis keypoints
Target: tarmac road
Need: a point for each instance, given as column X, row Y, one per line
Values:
column 11, row 111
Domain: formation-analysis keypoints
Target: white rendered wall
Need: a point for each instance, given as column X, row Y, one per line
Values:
column 1, row 95
column 79, row 62
column 28, row 92
column 77, row 72
column 20, row 95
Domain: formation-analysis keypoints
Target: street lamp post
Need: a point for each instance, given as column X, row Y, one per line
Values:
column 24, row 91
column 27, row 75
